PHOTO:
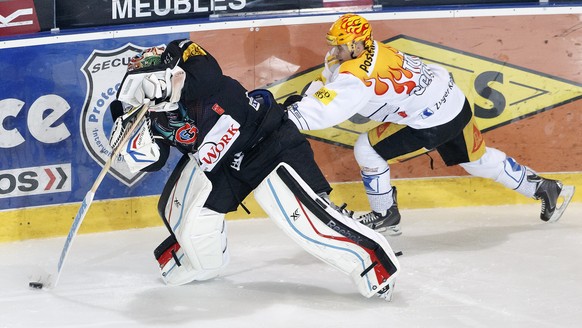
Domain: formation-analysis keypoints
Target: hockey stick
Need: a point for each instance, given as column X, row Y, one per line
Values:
column 52, row 283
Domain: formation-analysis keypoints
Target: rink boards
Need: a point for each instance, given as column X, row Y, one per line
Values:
column 521, row 74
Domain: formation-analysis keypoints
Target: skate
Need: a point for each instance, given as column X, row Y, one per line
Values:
column 341, row 209
column 550, row 192
column 389, row 223
column 387, row 292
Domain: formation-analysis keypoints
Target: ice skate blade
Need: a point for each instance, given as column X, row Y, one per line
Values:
column 392, row 231
column 387, row 295
column 566, row 194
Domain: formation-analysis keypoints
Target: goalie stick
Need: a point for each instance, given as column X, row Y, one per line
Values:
column 52, row 279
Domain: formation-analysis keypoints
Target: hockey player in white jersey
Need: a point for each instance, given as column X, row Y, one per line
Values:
column 421, row 109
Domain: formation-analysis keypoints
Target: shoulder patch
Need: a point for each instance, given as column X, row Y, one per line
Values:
column 325, row 95
column 193, row 50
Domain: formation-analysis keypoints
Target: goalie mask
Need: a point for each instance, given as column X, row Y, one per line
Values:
column 147, row 58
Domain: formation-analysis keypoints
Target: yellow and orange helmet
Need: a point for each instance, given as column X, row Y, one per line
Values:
column 349, row 29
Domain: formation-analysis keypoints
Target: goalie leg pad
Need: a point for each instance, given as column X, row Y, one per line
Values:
column 208, row 240
column 200, row 233
column 340, row 241
column 174, row 265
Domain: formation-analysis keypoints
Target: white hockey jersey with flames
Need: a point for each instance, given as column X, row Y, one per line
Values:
column 382, row 84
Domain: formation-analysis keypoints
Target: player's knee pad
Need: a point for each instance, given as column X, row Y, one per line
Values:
column 340, row 241
column 200, row 233
column 375, row 173
column 496, row 165
column 367, row 157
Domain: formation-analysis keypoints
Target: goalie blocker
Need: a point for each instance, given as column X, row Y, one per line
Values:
column 197, row 249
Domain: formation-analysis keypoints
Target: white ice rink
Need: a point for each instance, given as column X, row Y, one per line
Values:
column 462, row 267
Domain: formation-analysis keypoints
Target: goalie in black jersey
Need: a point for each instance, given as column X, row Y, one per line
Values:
column 233, row 142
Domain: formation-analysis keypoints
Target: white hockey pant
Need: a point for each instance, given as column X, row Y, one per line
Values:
column 375, row 174
column 495, row 165
column 339, row 241
column 201, row 251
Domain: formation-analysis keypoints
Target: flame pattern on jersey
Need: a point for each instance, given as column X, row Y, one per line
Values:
column 391, row 70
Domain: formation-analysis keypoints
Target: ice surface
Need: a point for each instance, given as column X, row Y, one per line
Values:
column 462, row 267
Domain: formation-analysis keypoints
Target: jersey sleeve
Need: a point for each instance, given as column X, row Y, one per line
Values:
column 328, row 104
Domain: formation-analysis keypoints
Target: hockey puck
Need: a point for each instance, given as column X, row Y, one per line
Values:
column 399, row 253
column 35, row 285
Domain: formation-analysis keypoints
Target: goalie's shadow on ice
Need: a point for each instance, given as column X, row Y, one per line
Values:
column 222, row 298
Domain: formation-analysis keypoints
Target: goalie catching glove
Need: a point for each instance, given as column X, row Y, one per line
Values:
column 148, row 78
column 137, row 88
column 141, row 150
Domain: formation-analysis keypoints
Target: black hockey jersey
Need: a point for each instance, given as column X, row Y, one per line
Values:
column 216, row 116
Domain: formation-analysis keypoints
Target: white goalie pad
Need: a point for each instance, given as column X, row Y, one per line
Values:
column 200, row 232
column 340, row 241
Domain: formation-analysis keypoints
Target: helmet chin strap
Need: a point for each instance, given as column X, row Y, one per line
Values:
column 354, row 52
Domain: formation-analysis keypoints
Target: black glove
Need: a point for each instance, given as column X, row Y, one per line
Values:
column 116, row 108
column 291, row 100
